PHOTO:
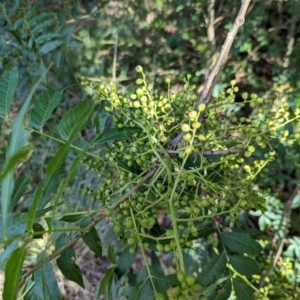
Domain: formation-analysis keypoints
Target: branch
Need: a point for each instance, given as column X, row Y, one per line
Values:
column 86, row 230
column 216, row 71
column 210, row 152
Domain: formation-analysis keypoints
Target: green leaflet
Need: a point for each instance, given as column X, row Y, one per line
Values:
column 116, row 133
column 66, row 262
column 75, row 120
column 241, row 243
column 12, row 273
column 8, row 85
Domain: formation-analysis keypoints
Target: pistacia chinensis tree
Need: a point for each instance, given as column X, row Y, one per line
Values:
column 176, row 176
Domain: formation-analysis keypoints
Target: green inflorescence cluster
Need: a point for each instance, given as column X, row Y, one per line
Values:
column 208, row 175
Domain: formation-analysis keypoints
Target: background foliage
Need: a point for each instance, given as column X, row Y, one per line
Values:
column 105, row 41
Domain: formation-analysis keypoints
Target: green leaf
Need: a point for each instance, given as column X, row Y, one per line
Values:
column 16, row 224
column 5, row 254
column 8, row 85
column 44, row 106
column 73, row 217
column 48, row 47
column 116, row 133
column 111, row 255
column 242, row 289
column 161, row 281
column 12, row 274
column 14, row 161
column 44, row 193
column 142, row 291
column 125, row 261
column 91, row 238
column 106, row 280
column 14, row 147
column 244, row 265
column 75, row 120
column 241, row 243
column 58, row 159
column 221, row 292
column 19, row 189
column 38, row 228
column 213, row 270
column 45, row 283
column 66, row 262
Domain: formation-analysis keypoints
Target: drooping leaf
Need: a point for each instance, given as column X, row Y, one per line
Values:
column 44, row 106
column 242, row 289
column 66, row 262
column 92, row 239
column 116, row 133
column 213, row 270
column 125, row 261
column 8, row 85
column 75, row 120
column 106, row 281
column 221, row 292
column 111, row 255
column 45, row 283
column 244, row 265
column 19, row 189
column 12, row 273
column 241, row 243
column 73, row 217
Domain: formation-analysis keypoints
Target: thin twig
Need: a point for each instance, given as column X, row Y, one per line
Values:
column 210, row 152
column 87, row 229
column 205, row 96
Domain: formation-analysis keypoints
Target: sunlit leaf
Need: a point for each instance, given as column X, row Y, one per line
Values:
column 75, row 120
